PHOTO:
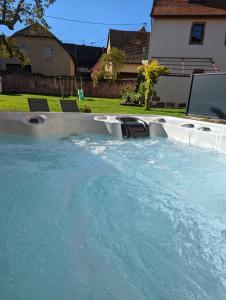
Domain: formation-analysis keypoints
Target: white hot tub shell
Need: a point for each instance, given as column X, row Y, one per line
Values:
column 38, row 125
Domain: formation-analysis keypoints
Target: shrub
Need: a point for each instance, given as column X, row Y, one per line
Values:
column 126, row 89
column 109, row 66
column 132, row 98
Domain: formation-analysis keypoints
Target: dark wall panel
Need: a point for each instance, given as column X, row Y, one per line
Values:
column 208, row 96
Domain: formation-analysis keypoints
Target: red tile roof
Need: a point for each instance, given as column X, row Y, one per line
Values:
column 183, row 8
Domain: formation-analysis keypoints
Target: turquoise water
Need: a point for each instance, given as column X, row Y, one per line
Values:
column 91, row 217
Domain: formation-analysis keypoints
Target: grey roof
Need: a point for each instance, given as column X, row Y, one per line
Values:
column 85, row 56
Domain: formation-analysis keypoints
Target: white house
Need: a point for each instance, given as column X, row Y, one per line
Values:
column 188, row 36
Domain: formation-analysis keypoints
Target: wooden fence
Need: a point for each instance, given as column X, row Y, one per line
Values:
column 39, row 84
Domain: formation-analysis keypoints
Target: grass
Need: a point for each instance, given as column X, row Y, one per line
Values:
column 18, row 102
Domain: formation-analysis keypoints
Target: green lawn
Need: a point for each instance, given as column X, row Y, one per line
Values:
column 18, row 102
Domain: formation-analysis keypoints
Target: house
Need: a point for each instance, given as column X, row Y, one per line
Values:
column 46, row 53
column 85, row 56
column 134, row 44
column 189, row 36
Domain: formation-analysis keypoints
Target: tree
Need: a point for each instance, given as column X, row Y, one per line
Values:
column 26, row 12
column 109, row 66
column 151, row 73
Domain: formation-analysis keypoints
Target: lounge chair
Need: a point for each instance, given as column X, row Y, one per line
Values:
column 36, row 105
column 69, row 106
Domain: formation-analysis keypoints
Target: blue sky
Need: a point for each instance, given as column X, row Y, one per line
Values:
column 107, row 11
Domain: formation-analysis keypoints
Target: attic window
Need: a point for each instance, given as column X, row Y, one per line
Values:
column 197, row 33
column 48, row 53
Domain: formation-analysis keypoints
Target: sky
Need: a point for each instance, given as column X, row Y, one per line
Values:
column 133, row 12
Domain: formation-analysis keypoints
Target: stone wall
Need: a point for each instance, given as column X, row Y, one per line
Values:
column 39, row 84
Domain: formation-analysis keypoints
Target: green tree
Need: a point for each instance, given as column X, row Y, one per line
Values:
column 26, row 12
column 151, row 73
column 109, row 66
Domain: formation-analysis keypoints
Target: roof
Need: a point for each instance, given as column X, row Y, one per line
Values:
column 35, row 30
column 135, row 44
column 86, row 56
column 183, row 8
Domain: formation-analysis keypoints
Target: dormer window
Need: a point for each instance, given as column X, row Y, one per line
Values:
column 197, row 33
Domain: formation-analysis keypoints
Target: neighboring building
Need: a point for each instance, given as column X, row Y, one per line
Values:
column 189, row 36
column 46, row 53
column 135, row 45
column 85, row 56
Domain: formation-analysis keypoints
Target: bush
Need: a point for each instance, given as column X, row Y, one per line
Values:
column 126, row 89
column 85, row 109
column 132, row 98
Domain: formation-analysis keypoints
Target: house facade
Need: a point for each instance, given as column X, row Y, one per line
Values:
column 189, row 36
column 135, row 45
column 47, row 55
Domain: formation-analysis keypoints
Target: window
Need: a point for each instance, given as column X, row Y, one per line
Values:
column 48, row 53
column 197, row 33
column 23, row 49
